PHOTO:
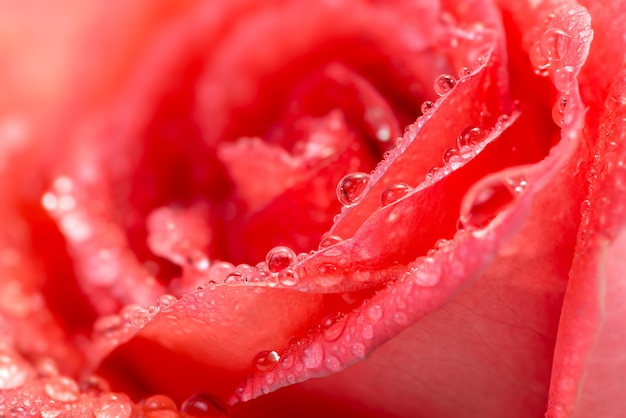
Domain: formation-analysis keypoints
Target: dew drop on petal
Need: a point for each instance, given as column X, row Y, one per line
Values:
column 464, row 72
column 62, row 389
column 288, row 277
column 427, row 106
column 539, row 61
column 140, row 317
column 166, row 301
column 279, row 258
column 108, row 326
column 351, row 188
column 329, row 274
column 13, row 372
column 329, row 240
column 358, row 350
column 236, row 277
column 333, row 326
column 394, row 192
column 332, row 363
column 449, row 155
column 156, row 405
column 367, row 331
column 444, row 83
column 93, row 385
column 517, row 183
column 312, row 356
column 265, row 361
column 553, row 43
column 112, row 405
column 485, row 203
column 427, row 271
column 558, row 110
column 219, row 271
column 374, row 312
column 472, row 135
column 205, row 405
column 564, row 79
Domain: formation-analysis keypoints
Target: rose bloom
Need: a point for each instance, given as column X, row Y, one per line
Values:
column 409, row 208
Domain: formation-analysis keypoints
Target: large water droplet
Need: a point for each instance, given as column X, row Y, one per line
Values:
column 236, row 277
column 166, row 301
column 485, row 204
column 62, row 389
column 553, row 43
column 112, row 405
column 140, row 317
column 427, row 106
column 205, row 405
column 394, row 192
column 333, row 325
column 451, row 155
column 564, row 79
column 219, row 271
column 279, row 258
column 157, row 406
column 265, row 361
column 13, row 372
column 328, row 240
column 444, row 83
column 351, row 188
column 540, row 62
column 472, row 135
column 288, row 277
column 558, row 110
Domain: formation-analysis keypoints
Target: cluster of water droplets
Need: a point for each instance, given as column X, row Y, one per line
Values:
column 546, row 56
column 60, row 201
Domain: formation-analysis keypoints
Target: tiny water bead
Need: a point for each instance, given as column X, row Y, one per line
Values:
column 236, row 277
column 394, row 192
column 444, row 83
column 351, row 188
column 166, row 301
column 265, row 361
column 328, row 240
column 140, row 317
column 539, row 61
column 472, row 135
column 564, row 79
column 93, row 385
column 450, row 155
column 374, row 312
column 553, row 43
column 558, row 110
column 62, row 389
column 427, row 107
column 112, row 405
column 205, row 405
column 288, row 277
column 279, row 258
column 464, row 72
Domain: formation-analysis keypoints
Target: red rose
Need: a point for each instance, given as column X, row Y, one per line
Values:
column 172, row 176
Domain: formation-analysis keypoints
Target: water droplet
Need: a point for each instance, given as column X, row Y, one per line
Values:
column 427, row 106
column 329, row 240
column 432, row 172
column 156, row 405
column 50, row 413
column 265, row 361
column 351, row 188
column 554, row 42
column 374, row 312
column 288, row 277
column 394, row 192
column 46, row 367
column 13, row 372
column 464, row 72
column 109, row 325
column 112, row 405
column 539, row 61
column 329, row 274
column 205, row 405
column 93, row 385
column 218, row 271
column 485, row 203
column 444, row 83
column 558, row 110
column 426, row 271
column 140, row 317
column 564, row 79
column 400, row 318
column 197, row 259
column 333, row 325
column 358, row 350
column 472, row 135
column 235, row 277
column 313, row 356
column 62, row 389
column 451, row 155
column 332, row 363
column 166, row 301
column 279, row 258
column 517, row 183
column 367, row 331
